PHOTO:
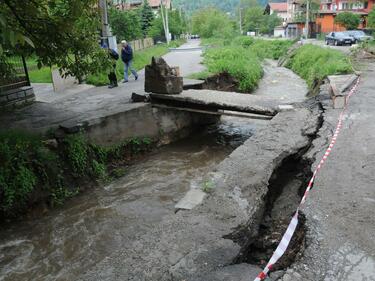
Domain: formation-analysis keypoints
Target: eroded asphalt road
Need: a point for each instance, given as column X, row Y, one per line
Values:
column 340, row 210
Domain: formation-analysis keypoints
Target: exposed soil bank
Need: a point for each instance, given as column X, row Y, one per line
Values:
column 285, row 190
column 219, row 82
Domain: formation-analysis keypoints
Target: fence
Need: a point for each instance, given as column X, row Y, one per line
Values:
column 13, row 73
column 140, row 44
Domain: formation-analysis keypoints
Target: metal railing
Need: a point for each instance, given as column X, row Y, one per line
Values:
column 13, row 73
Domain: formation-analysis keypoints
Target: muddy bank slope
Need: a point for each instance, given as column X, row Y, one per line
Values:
column 190, row 245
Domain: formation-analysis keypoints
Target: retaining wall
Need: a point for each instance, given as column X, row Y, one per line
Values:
column 164, row 125
column 17, row 97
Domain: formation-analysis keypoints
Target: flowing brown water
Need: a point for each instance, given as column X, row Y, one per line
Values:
column 68, row 241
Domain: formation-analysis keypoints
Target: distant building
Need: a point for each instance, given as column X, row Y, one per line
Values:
column 330, row 8
column 281, row 9
column 295, row 9
column 132, row 4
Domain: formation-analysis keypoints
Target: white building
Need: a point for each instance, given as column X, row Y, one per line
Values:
column 281, row 9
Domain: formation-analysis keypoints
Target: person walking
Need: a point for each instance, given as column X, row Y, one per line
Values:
column 127, row 58
column 112, row 74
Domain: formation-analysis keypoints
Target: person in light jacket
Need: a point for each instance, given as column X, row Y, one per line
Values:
column 127, row 58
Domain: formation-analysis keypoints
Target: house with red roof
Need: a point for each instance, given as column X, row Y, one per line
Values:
column 281, row 9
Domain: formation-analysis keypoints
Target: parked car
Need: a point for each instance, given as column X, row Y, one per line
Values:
column 339, row 38
column 358, row 36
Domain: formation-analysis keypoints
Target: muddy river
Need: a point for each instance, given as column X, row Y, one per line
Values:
column 68, row 241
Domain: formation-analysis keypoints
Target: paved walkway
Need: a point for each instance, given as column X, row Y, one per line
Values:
column 86, row 102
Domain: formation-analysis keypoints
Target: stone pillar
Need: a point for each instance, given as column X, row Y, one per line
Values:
column 160, row 78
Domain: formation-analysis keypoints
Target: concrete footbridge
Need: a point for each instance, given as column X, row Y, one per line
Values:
column 220, row 103
column 277, row 91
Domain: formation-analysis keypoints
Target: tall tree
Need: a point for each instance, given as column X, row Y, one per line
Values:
column 64, row 32
column 126, row 25
column 211, row 22
column 348, row 20
column 147, row 16
column 254, row 18
column 178, row 25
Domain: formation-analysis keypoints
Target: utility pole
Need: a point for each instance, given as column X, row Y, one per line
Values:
column 307, row 24
column 164, row 16
column 167, row 23
column 107, row 37
column 104, row 13
column 241, row 31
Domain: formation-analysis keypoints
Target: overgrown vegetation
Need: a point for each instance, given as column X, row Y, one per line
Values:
column 238, row 62
column 314, row 63
column 241, row 58
column 33, row 171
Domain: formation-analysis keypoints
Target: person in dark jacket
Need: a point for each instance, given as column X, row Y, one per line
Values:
column 112, row 75
column 127, row 58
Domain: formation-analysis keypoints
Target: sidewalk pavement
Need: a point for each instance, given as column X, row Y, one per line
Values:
column 86, row 102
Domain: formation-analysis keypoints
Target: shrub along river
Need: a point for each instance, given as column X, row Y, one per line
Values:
column 67, row 242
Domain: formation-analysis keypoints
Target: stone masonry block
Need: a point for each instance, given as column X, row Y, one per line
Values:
column 160, row 78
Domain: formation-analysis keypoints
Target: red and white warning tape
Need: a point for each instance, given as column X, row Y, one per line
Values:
column 283, row 245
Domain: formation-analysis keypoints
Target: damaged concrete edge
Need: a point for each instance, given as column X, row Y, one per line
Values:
column 242, row 181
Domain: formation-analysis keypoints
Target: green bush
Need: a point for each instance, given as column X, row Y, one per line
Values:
column 315, row 63
column 348, row 19
column 77, row 153
column 236, row 61
column 24, row 164
column 243, row 41
column 30, row 172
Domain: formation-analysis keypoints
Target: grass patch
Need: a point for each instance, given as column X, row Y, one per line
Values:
column 241, row 58
column 36, row 75
column 236, row 61
column 140, row 60
column 314, row 64
column 32, row 171
column 42, row 75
